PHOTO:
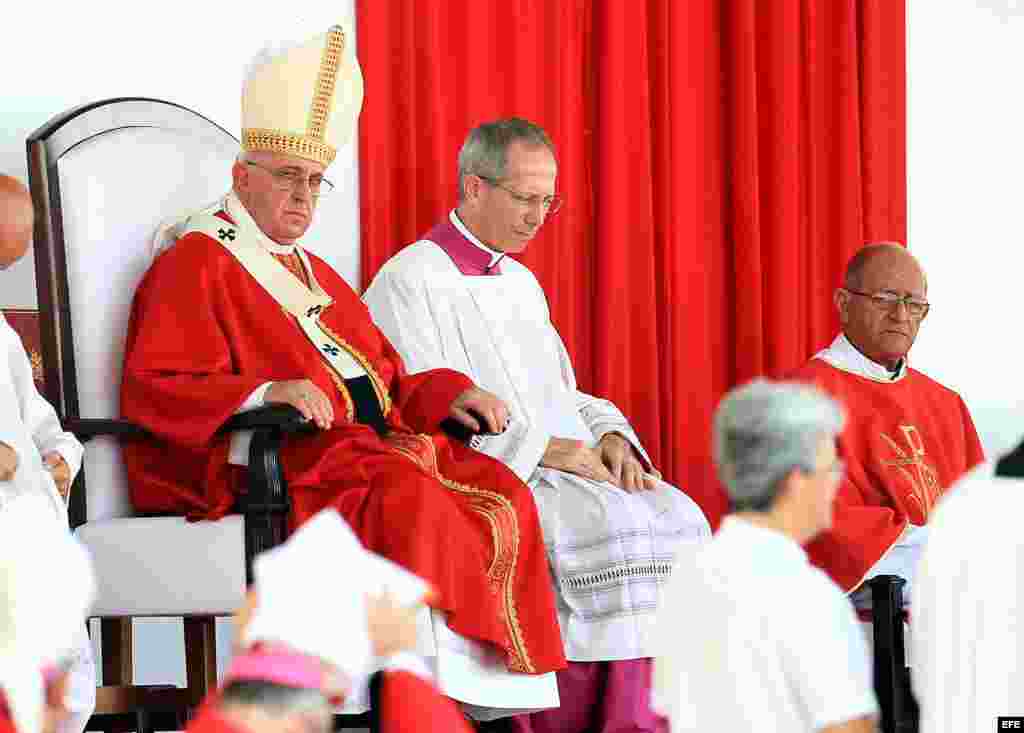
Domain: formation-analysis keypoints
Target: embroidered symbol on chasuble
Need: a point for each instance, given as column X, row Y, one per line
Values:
column 228, row 234
column 911, row 463
column 331, row 349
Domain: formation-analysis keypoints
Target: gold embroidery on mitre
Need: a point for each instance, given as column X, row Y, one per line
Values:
column 924, row 480
column 326, row 79
column 276, row 141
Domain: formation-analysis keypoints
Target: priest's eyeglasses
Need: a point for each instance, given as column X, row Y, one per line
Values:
column 548, row 204
column 916, row 308
column 290, row 179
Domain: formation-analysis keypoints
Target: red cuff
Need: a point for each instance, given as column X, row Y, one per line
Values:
column 431, row 400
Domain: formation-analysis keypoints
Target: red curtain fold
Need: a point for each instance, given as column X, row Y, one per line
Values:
column 721, row 160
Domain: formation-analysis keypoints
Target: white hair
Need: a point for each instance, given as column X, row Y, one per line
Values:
column 764, row 430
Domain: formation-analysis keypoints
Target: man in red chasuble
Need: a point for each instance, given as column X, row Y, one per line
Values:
column 235, row 313
column 908, row 437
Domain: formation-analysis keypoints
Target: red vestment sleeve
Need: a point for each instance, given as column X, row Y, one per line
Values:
column 862, row 531
column 424, row 399
column 6, row 722
column 179, row 380
column 972, row 443
column 209, row 720
column 411, row 704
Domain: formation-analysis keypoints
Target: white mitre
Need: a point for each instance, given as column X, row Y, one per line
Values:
column 300, row 98
column 303, row 99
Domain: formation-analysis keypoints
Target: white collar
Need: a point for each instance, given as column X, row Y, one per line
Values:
column 453, row 217
column 241, row 216
column 171, row 229
column 769, row 539
column 844, row 355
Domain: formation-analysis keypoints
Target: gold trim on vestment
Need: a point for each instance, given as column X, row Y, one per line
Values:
column 326, row 78
column 289, row 143
column 494, row 508
column 503, row 569
column 346, row 396
column 378, row 384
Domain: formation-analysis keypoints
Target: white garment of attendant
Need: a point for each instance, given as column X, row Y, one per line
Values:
column 609, row 550
column 968, row 623
column 769, row 642
column 30, row 426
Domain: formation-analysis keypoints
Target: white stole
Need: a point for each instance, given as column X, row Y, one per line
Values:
column 242, row 240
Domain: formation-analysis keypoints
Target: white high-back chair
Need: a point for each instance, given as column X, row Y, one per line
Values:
column 103, row 177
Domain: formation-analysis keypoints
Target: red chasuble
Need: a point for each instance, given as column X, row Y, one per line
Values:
column 6, row 722
column 209, row 720
column 905, row 443
column 204, row 334
column 409, row 703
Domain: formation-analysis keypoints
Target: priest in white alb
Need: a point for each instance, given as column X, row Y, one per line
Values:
column 38, row 458
column 611, row 526
column 967, row 635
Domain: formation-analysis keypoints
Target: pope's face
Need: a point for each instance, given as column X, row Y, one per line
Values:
column 883, row 333
column 275, row 189
column 509, row 213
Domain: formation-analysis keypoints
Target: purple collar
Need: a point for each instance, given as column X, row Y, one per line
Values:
column 468, row 258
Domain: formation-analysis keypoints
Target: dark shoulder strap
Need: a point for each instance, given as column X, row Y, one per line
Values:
column 1012, row 464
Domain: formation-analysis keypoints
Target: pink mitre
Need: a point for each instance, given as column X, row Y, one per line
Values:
column 280, row 665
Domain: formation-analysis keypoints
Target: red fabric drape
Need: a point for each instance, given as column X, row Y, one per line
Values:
column 721, row 160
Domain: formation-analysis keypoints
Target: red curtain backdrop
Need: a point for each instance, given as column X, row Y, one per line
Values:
column 720, row 159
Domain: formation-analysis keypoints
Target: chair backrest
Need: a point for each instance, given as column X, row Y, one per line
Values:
column 103, row 177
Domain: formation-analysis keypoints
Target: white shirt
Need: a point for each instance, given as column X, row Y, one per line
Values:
column 756, row 638
column 967, row 630
column 30, row 426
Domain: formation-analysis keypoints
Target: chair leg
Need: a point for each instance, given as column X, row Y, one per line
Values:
column 117, row 649
column 200, row 657
column 116, row 643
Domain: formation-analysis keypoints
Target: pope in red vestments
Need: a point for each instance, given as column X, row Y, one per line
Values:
column 908, row 437
column 235, row 313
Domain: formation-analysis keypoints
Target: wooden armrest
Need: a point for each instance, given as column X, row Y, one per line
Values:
column 283, row 417
column 88, row 428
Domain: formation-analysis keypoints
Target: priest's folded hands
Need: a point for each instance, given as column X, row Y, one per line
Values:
column 612, row 460
column 622, row 460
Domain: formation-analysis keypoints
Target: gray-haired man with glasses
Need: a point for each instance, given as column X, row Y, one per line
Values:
column 909, row 437
column 611, row 526
column 769, row 642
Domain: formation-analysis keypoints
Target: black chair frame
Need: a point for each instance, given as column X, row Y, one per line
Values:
column 265, row 506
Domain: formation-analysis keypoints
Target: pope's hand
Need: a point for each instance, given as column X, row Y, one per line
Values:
column 8, row 462
column 305, row 397
column 575, row 456
column 618, row 456
column 60, row 470
column 488, row 406
column 392, row 626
